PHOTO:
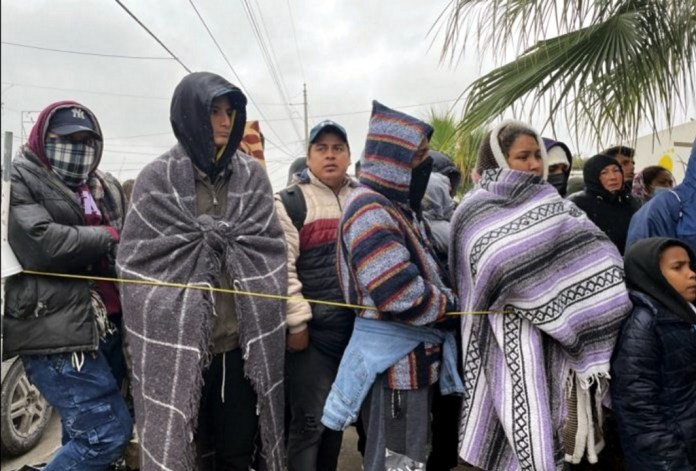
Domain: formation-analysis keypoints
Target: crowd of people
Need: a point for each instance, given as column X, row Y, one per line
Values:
column 221, row 326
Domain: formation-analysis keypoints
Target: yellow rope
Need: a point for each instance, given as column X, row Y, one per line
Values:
column 229, row 291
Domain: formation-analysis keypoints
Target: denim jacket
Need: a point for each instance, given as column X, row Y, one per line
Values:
column 374, row 347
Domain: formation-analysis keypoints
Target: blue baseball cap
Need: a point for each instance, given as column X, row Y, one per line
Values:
column 71, row 120
column 327, row 125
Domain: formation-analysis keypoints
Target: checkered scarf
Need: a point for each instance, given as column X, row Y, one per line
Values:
column 71, row 161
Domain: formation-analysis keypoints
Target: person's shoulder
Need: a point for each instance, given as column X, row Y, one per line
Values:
column 578, row 196
column 365, row 200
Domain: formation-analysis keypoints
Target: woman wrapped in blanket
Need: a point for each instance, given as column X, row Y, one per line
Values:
column 551, row 286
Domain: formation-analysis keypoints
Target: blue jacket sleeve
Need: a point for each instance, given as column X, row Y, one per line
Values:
column 658, row 218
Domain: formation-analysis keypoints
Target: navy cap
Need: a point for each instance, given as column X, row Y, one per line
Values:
column 71, row 120
column 327, row 125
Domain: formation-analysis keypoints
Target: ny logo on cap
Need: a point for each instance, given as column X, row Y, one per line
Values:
column 78, row 113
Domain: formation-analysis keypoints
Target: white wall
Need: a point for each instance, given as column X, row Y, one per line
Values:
column 669, row 149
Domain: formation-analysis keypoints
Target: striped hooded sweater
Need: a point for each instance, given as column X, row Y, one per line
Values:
column 385, row 259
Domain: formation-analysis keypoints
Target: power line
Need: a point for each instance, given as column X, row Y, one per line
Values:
column 229, row 64
column 347, row 113
column 125, row 95
column 294, row 35
column 269, row 57
column 153, row 35
column 138, row 136
column 83, row 53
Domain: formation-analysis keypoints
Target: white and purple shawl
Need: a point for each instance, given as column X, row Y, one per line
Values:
column 169, row 328
column 517, row 247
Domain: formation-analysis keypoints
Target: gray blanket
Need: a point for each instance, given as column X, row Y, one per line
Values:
column 169, row 329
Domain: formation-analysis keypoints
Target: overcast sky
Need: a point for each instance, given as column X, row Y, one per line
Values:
column 347, row 52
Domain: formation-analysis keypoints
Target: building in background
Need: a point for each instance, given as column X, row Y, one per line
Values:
column 667, row 149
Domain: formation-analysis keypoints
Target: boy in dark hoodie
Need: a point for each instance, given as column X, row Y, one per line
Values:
column 65, row 217
column 207, row 367
column 653, row 369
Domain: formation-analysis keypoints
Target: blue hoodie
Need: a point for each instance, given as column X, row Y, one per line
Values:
column 671, row 213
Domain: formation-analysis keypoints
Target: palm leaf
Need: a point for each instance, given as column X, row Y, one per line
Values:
column 614, row 66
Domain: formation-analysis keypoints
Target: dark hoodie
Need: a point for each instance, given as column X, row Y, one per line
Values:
column 190, row 118
column 385, row 259
column 444, row 165
column 559, row 181
column 653, row 384
column 610, row 211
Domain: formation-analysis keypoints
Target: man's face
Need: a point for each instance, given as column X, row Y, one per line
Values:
column 328, row 159
column 221, row 113
column 555, row 169
column 628, row 166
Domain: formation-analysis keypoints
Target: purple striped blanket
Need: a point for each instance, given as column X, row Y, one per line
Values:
column 517, row 247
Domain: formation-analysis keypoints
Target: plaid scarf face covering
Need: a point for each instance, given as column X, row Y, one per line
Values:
column 71, row 161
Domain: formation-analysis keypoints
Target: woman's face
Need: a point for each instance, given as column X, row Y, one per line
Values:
column 676, row 268
column 525, row 155
column 611, row 178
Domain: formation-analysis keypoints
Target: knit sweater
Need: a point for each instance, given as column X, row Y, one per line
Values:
column 385, row 259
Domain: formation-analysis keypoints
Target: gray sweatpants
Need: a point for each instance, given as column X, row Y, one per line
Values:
column 397, row 425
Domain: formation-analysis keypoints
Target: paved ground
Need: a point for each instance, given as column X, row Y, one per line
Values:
column 348, row 461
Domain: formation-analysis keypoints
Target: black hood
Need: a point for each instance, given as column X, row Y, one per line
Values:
column 444, row 165
column 642, row 266
column 591, row 170
column 190, row 118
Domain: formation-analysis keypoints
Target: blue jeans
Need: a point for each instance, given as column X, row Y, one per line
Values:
column 90, row 405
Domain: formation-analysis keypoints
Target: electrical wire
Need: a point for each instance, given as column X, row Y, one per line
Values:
column 153, row 35
column 83, row 53
column 123, row 95
column 229, row 64
column 268, row 57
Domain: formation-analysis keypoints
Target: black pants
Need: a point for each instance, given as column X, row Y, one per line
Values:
column 444, row 454
column 227, row 429
column 311, row 446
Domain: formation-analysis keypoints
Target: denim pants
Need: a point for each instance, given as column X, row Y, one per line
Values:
column 90, row 405
column 374, row 347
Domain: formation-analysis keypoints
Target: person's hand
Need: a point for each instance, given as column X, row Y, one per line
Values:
column 298, row 341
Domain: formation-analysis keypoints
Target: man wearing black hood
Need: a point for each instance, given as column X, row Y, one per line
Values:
column 653, row 368
column 202, row 214
column 604, row 199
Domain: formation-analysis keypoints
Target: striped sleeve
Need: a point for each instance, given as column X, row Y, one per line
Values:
column 383, row 268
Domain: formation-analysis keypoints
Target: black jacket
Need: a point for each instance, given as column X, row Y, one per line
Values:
column 653, row 388
column 47, row 232
column 610, row 212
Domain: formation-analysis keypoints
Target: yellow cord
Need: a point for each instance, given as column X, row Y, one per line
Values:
column 229, row 291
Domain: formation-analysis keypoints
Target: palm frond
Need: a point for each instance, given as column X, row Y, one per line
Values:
column 632, row 65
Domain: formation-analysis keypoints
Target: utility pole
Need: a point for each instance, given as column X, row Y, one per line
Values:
column 28, row 120
column 306, row 118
